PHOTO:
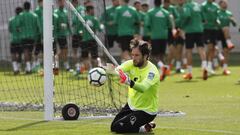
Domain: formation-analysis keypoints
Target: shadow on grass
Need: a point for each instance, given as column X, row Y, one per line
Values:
column 186, row 81
column 24, row 126
column 152, row 133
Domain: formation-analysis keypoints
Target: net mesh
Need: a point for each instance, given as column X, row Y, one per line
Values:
column 24, row 92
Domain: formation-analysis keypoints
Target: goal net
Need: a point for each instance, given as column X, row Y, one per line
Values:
column 22, row 64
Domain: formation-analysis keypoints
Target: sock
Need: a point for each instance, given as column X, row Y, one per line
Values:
column 178, row 65
column 225, row 66
column 209, row 65
column 160, row 64
column 28, row 66
column 15, row 66
column 189, row 68
column 220, row 56
column 77, row 66
column 204, row 64
column 142, row 129
column 19, row 65
column 229, row 42
column 215, row 62
column 66, row 64
column 184, row 60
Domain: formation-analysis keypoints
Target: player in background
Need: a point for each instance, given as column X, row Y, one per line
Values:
column 107, row 19
column 126, row 19
column 38, row 52
column 15, row 40
column 142, row 78
column 193, row 26
column 157, row 17
column 139, row 28
column 89, row 44
column 146, row 31
column 179, row 37
column 77, row 35
column 63, row 32
column 225, row 18
column 29, row 30
column 209, row 12
column 171, row 37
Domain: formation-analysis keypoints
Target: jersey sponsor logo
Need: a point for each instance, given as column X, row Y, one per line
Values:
column 196, row 8
column 133, row 120
column 127, row 14
column 151, row 76
column 90, row 23
column 159, row 14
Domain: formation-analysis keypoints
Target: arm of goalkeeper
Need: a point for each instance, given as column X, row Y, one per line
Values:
column 110, row 69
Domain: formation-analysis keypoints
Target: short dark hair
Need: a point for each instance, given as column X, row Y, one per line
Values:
column 143, row 46
column 145, row 5
column 126, row 1
column 136, row 2
column 40, row 1
column 18, row 10
column 27, row 5
column 88, row 8
column 157, row 3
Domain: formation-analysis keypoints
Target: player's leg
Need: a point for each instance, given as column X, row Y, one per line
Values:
column 124, row 42
column 76, row 39
column 93, row 48
column 84, row 55
column 38, row 53
column 210, row 39
column 171, row 50
column 225, row 55
column 227, row 37
column 14, row 55
column 179, row 54
column 128, row 121
column 189, row 46
column 27, row 50
column 62, row 41
column 202, row 53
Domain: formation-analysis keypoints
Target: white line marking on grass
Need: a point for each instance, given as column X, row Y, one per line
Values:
column 14, row 118
column 201, row 130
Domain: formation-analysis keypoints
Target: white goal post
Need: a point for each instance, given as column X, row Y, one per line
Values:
column 48, row 59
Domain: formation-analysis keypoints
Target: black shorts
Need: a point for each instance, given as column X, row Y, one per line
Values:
column 170, row 37
column 222, row 39
column 16, row 48
column 146, row 38
column 62, row 42
column 89, row 47
column 76, row 41
column 179, row 41
column 124, row 42
column 194, row 38
column 28, row 44
column 38, row 47
column 159, row 46
column 128, row 121
column 210, row 36
column 111, row 39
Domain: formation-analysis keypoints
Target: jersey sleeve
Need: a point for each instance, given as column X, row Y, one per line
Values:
column 151, row 79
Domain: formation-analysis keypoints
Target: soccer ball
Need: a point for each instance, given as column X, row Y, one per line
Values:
column 97, row 76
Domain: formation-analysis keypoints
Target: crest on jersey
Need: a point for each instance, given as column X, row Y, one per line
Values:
column 127, row 14
column 159, row 14
column 151, row 76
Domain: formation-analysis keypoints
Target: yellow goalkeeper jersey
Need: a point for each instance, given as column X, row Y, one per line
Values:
column 144, row 94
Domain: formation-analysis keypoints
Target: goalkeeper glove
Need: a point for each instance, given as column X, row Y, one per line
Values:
column 124, row 77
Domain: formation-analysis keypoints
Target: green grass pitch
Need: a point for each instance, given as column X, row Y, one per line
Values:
column 212, row 107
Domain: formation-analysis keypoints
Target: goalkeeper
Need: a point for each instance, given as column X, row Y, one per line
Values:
column 142, row 77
